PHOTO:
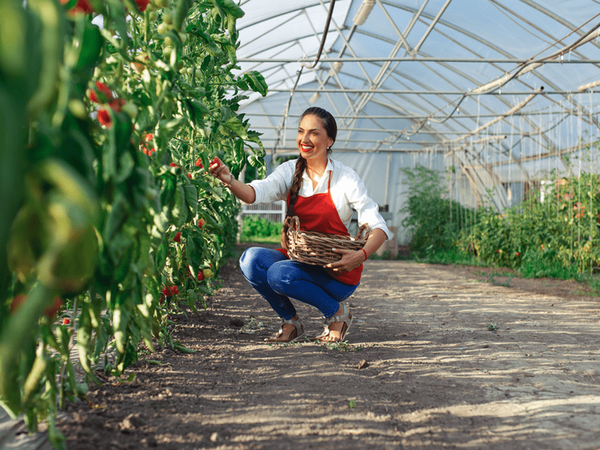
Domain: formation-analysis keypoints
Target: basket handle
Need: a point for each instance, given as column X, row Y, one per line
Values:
column 295, row 223
column 366, row 228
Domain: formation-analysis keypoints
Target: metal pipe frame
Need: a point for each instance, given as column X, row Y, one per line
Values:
column 408, row 92
column 422, row 59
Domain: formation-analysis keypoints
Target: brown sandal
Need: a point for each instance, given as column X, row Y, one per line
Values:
column 293, row 336
column 345, row 317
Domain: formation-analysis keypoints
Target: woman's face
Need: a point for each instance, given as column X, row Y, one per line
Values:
column 312, row 138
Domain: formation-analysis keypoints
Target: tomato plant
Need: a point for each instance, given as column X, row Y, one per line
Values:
column 105, row 133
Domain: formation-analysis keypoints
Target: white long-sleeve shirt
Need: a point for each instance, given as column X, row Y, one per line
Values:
column 347, row 191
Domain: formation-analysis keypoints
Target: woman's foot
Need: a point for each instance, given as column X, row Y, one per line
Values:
column 335, row 332
column 290, row 331
column 336, row 327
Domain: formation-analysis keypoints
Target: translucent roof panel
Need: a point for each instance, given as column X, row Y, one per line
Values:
column 497, row 84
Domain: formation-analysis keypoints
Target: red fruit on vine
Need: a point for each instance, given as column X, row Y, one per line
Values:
column 177, row 237
column 102, row 88
column 199, row 163
column 216, row 161
column 200, row 275
column 93, row 96
column 201, row 223
column 104, row 118
column 170, row 291
column 149, row 137
column 17, row 302
column 142, row 4
column 82, row 6
column 50, row 311
column 116, row 104
column 66, row 321
column 56, row 305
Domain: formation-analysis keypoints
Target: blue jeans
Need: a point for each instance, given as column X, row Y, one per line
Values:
column 278, row 279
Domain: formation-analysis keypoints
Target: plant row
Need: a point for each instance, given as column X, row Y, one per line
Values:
column 551, row 233
column 112, row 111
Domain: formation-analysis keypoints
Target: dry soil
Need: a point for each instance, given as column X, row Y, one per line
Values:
column 438, row 357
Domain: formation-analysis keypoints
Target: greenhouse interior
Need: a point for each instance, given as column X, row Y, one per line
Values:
column 125, row 128
column 497, row 96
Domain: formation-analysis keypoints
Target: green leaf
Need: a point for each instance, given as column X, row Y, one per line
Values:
column 179, row 212
column 191, row 197
column 161, row 256
column 235, row 124
column 116, row 20
column 257, row 82
column 229, row 7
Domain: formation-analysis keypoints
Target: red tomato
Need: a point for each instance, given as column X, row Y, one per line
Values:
column 200, row 275
column 116, row 104
column 177, row 237
column 199, row 163
column 167, row 292
column 104, row 118
column 201, row 223
column 17, row 302
column 52, row 310
column 216, row 161
column 66, row 321
column 82, row 6
column 142, row 4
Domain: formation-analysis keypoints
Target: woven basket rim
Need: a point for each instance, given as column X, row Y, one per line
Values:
column 315, row 247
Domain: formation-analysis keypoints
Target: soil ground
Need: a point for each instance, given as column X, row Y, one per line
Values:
column 438, row 357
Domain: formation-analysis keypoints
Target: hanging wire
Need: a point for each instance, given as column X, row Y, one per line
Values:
column 299, row 74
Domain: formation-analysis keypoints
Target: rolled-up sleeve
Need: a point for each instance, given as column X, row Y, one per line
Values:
column 275, row 186
column 367, row 209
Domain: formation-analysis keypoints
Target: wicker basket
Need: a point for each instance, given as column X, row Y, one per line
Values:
column 312, row 247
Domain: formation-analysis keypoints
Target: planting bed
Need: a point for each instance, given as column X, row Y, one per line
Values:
column 439, row 356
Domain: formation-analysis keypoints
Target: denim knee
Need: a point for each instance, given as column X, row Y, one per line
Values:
column 247, row 261
column 278, row 276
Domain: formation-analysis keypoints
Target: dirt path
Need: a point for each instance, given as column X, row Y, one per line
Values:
column 420, row 370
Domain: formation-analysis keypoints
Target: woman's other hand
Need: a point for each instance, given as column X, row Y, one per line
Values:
column 351, row 259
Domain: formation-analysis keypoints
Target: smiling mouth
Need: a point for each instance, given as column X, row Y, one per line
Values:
column 306, row 148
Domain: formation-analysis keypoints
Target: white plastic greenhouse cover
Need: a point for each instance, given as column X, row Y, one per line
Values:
column 498, row 94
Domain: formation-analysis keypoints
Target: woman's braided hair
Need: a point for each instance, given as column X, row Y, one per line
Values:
column 330, row 126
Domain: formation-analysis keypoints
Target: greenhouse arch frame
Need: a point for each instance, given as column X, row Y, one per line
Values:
column 498, row 95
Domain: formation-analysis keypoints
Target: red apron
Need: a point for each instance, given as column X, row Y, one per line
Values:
column 318, row 213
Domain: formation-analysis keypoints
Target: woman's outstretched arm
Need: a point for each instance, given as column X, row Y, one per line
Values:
column 241, row 190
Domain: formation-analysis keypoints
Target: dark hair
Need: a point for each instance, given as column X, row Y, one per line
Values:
column 330, row 126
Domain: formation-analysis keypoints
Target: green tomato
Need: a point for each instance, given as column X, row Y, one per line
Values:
column 168, row 17
column 130, row 109
column 77, row 108
column 169, row 42
column 163, row 28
